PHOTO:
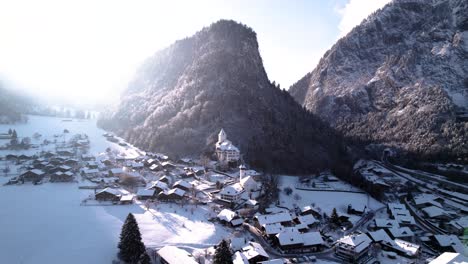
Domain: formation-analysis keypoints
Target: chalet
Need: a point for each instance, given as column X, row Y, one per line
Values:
column 164, row 179
column 145, row 194
column 399, row 212
column 109, row 194
column 116, row 172
column 90, row 173
column 159, row 186
column 126, row 199
column 306, row 210
column 458, row 226
column 225, row 150
column 232, row 192
column 447, row 243
column 385, row 223
column 61, row 176
column 62, row 168
column 34, row 175
column 11, row 157
column 227, row 216
column 106, row 162
column 436, row 213
column 400, row 232
column 171, row 195
column 65, row 152
column 251, row 204
column 25, row 157
column 41, row 166
column 254, row 253
column 270, row 230
column 426, row 200
column 150, row 162
column 248, row 183
column 284, row 219
column 137, row 165
column 313, row 240
column 167, row 165
column 92, row 164
column 155, row 167
column 358, row 209
column 306, row 221
column 174, row 255
column 353, row 248
column 198, row 170
column 289, row 238
column 181, row 184
column 70, row 162
column 48, row 154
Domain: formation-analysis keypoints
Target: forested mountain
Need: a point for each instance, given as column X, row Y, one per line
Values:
column 400, row 78
column 183, row 95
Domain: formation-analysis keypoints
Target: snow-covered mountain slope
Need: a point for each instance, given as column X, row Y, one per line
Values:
column 183, row 95
column 399, row 78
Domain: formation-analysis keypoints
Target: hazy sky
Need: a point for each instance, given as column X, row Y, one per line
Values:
column 89, row 49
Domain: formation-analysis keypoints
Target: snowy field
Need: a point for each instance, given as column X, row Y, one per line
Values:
column 325, row 200
column 46, row 224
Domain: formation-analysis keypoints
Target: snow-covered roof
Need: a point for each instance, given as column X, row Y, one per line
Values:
column 273, row 218
column 273, row 229
column 183, row 183
column 401, row 232
column 226, row 215
column 37, row 172
column 452, row 241
column 461, row 222
column 116, row 192
column 145, row 192
column 253, row 249
column 380, row 236
column 234, row 189
column 117, row 170
column 289, row 236
column 175, row 255
column 427, row 198
column 312, row 238
column 307, row 219
column 434, row 211
column 126, row 198
column 450, row 258
column 357, row 243
column 407, row 247
column 90, row 171
column 248, row 181
column 176, row 191
column 160, row 185
column 383, row 222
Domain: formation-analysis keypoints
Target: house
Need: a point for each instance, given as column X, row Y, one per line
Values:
column 87, row 157
column 248, row 183
column 458, row 226
column 155, row 167
column 450, row 258
column 289, row 238
column 353, row 248
column 90, row 173
column 225, row 151
column 109, row 194
column 448, row 243
column 231, row 217
column 61, row 176
column 313, row 240
column 306, row 210
column 232, row 193
column 34, row 175
column 254, row 253
column 159, row 186
column 171, row 195
column 174, row 255
column 151, row 162
column 385, row 223
column 400, row 232
column 284, row 219
column 145, row 194
column 398, row 246
column 425, row 200
column 71, row 162
column 357, row 209
column 181, row 184
column 400, row 213
column 436, row 213
column 164, row 179
column 168, row 165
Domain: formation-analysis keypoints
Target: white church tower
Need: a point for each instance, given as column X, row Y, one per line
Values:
column 225, row 150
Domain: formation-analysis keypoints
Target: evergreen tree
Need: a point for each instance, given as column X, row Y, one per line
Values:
column 14, row 135
column 334, row 216
column 10, row 132
column 222, row 254
column 131, row 248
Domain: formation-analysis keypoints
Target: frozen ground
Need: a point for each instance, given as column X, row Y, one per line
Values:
column 325, row 200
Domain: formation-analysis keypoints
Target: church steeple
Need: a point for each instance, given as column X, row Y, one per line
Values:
column 222, row 135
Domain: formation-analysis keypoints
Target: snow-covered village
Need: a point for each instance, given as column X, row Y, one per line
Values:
column 234, row 132
column 67, row 182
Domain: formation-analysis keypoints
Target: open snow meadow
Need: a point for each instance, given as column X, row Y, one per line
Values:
column 46, row 223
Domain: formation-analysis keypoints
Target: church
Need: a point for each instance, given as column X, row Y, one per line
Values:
column 225, row 151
